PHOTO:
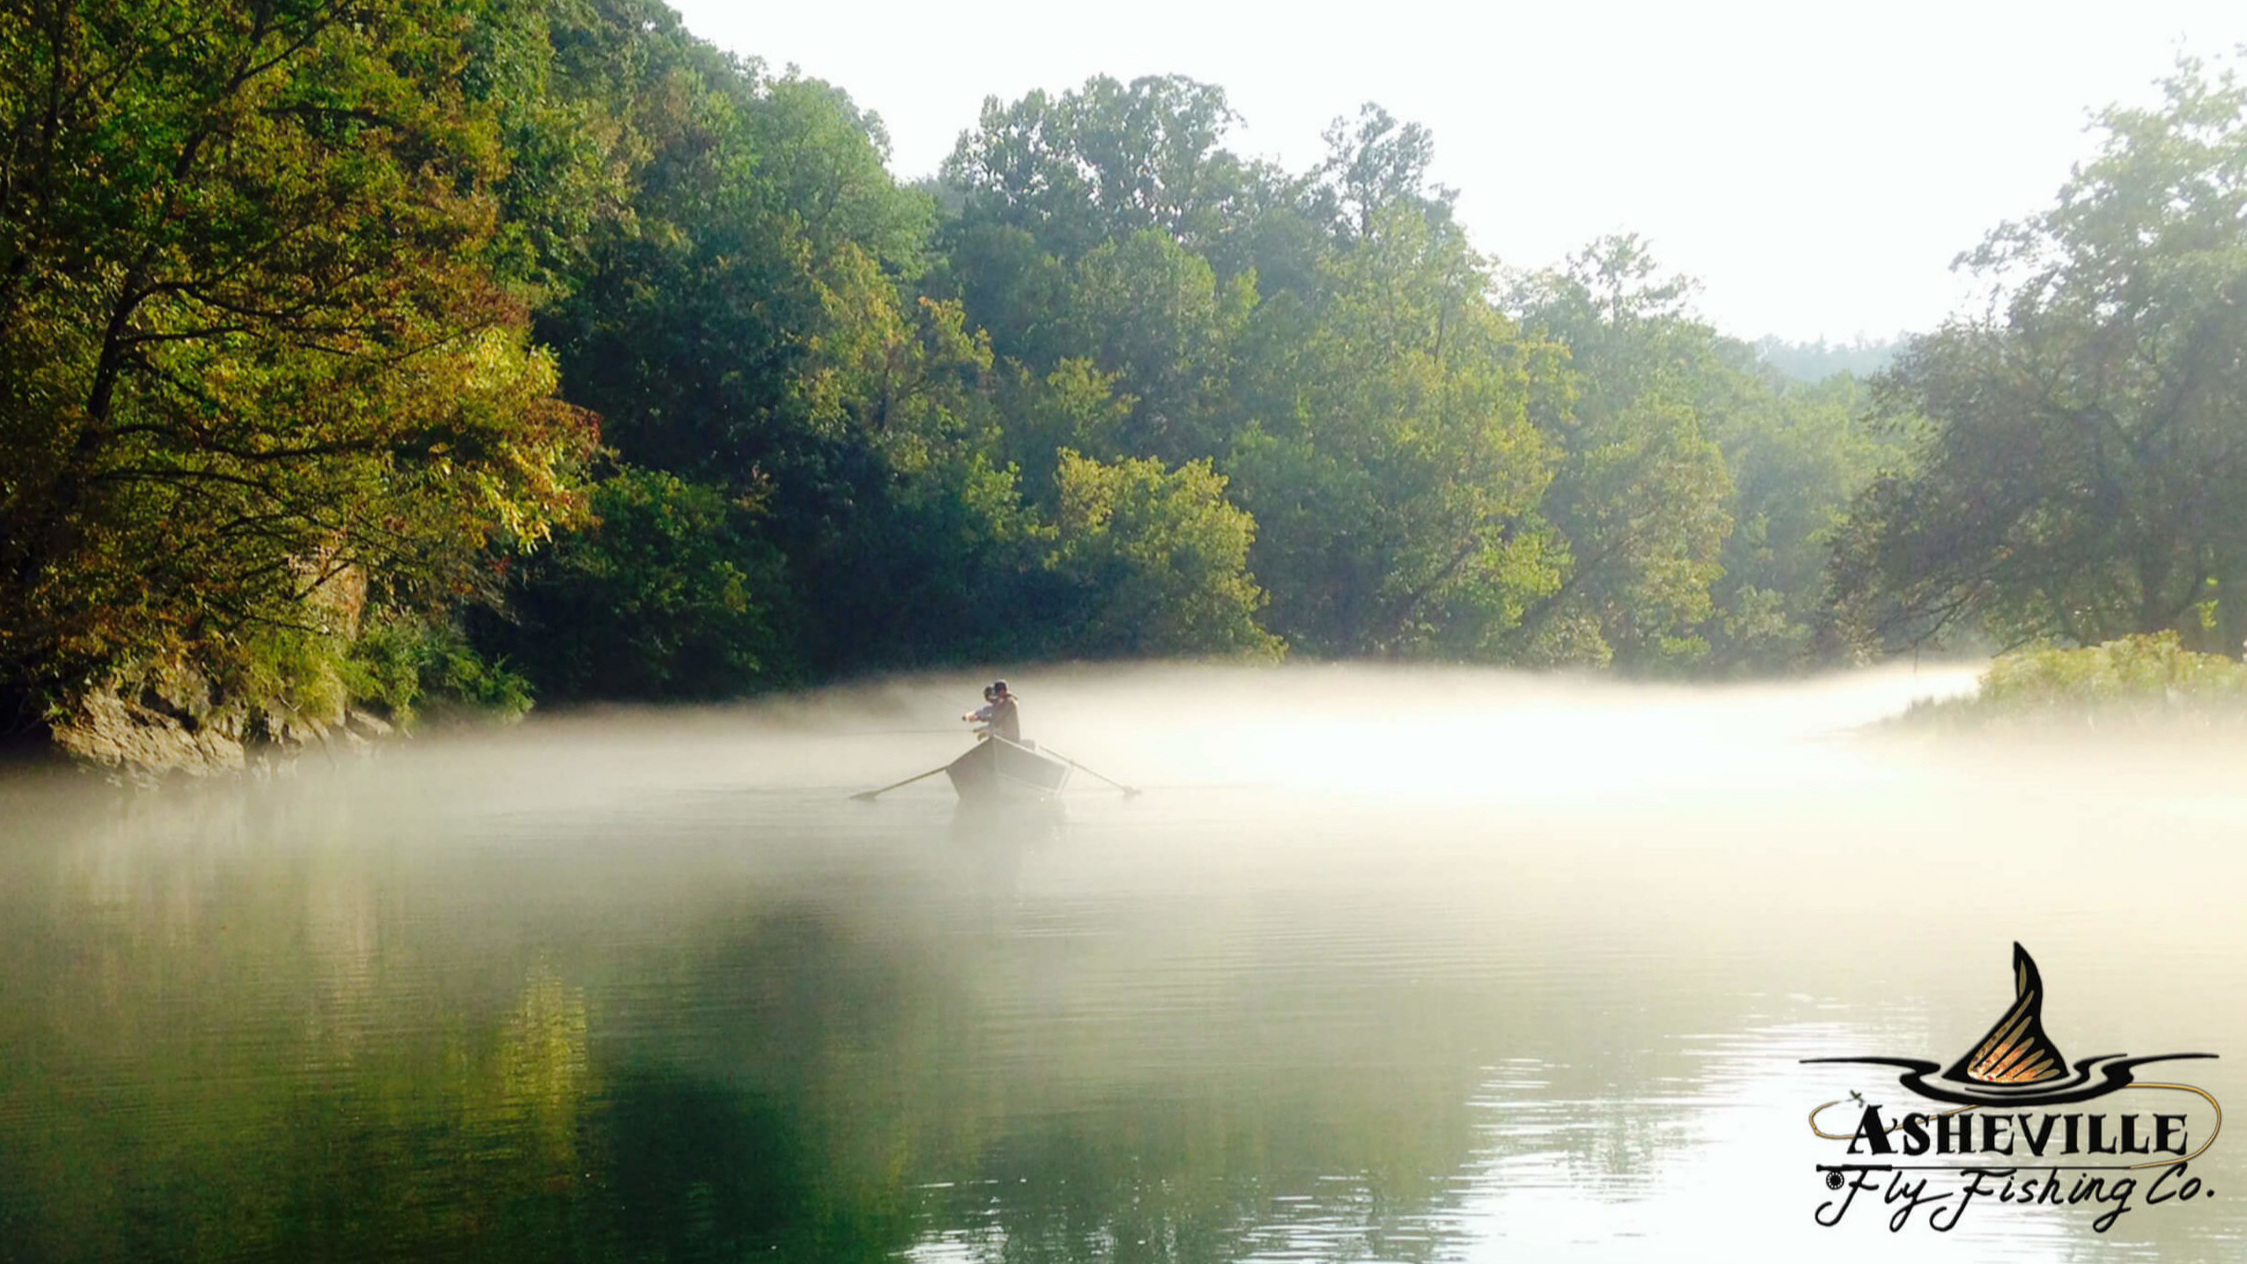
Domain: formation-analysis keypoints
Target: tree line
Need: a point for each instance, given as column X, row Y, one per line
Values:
column 386, row 351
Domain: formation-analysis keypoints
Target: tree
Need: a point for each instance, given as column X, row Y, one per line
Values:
column 2081, row 471
column 257, row 369
column 1369, row 406
column 761, row 233
column 1641, row 497
column 1155, row 562
column 1814, row 362
column 1389, row 455
column 752, row 326
column 1155, row 315
column 1797, row 454
column 668, row 594
column 1102, row 163
column 1378, row 164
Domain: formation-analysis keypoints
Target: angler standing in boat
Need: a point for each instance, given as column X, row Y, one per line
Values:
column 999, row 714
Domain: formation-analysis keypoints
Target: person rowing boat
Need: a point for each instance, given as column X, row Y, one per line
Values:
column 1000, row 713
column 1009, row 768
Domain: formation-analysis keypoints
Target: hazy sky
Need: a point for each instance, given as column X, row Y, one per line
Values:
column 1816, row 165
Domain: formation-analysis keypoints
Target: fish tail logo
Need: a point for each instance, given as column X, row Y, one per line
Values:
column 2016, row 1050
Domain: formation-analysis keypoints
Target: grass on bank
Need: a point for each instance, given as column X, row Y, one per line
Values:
column 2136, row 679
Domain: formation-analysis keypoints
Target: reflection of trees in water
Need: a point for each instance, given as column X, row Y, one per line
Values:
column 278, row 1063
column 1343, row 1147
column 279, row 1051
column 466, row 1141
column 1209, row 1180
column 1595, row 1089
column 918, row 1111
column 457, row 1134
column 702, row 1171
column 215, row 1045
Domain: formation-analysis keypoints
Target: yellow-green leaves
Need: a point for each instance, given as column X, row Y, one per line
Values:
column 252, row 339
column 1162, row 559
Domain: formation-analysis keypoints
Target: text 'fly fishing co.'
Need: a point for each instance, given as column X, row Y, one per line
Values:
column 2009, row 1126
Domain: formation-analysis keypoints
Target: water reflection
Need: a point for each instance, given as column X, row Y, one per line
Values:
column 616, row 990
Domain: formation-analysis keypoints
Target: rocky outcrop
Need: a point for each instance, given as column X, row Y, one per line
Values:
column 110, row 730
column 166, row 719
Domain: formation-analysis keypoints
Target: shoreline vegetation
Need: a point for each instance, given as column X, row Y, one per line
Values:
column 364, row 362
column 2125, row 684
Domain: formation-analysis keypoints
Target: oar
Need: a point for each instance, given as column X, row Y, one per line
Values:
column 1130, row 792
column 868, row 795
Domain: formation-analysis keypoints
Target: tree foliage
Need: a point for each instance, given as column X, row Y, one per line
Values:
column 316, row 315
column 2079, row 469
column 1156, row 561
column 1699, row 489
column 257, row 348
column 669, row 594
column 1640, row 498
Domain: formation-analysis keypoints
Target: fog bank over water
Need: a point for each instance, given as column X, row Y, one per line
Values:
column 1346, row 730
column 1383, row 964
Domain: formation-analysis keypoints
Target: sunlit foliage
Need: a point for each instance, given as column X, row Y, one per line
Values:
column 258, row 371
column 1157, row 560
column 2132, row 679
column 321, row 318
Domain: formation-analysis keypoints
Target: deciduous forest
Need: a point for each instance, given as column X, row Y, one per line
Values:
column 395, row 354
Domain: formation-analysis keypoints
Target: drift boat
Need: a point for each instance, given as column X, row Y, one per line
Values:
column 1000, row 771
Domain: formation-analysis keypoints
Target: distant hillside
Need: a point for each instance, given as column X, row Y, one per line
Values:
column 1817, row 361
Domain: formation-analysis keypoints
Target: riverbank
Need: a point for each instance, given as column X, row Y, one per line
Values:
column 158, row 728
column 2132, row 682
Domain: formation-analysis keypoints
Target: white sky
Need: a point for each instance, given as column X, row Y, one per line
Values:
column 1817, row 166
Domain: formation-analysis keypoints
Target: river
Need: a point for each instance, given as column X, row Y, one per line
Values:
column 1382, row 964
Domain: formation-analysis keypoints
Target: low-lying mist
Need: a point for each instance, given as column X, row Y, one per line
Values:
column 1349, row 730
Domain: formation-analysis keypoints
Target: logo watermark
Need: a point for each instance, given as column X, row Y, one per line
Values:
column 1994, row 1131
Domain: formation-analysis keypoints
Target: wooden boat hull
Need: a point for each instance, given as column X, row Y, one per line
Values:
column 1000, row 771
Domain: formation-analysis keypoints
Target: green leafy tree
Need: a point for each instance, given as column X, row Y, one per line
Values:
column 1370, row 406
column 1094, row 226
column 1797, row 455
column 751, row 325
column 1153, row 313
column 566, row 148
column 1390, row 457
column 706, row 321
column 1102, row 164
column 1074, row 407
column 1817, row 361
column 1155, row 562
column 2080, row 472
column 256, row 366
column 1700, row 490
column 669, row 594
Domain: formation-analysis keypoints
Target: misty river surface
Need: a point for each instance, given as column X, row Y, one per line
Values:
column 1382, row 965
